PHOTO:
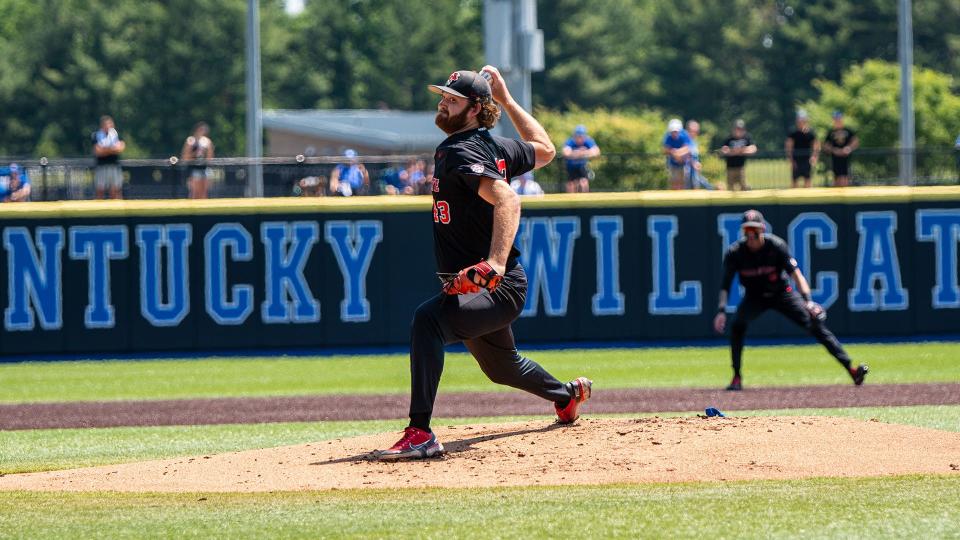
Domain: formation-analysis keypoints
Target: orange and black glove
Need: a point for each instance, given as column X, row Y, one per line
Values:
column 472, row 278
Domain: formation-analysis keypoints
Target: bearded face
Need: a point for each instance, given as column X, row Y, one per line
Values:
column 451, row 124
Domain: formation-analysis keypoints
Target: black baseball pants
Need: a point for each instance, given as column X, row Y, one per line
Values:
column 482, row 322
column 791, row 305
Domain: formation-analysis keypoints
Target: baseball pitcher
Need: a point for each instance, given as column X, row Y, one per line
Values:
column 475, row 219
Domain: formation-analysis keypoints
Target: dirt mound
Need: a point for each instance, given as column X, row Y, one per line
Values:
column 536, row 453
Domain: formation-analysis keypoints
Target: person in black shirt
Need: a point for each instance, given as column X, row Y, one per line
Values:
column 839, row 143
column 475, row 220
column 735, row 149
column 803, row 149
column 765, row 265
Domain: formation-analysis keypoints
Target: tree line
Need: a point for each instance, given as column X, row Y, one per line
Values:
column 159, row 66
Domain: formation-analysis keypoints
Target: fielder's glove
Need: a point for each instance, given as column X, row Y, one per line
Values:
column 472, row 278
column 816, row 311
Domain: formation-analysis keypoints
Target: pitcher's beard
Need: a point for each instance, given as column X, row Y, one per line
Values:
column 451, row 124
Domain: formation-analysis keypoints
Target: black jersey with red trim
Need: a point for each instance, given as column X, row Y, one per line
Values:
column 764, row 272
column 462, row 220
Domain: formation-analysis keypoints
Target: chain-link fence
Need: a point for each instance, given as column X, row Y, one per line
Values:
column 764, row 170
column 74, row 179
column 71, row 179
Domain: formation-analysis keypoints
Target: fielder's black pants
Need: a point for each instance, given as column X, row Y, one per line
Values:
column 791, row 305
column 482, row 322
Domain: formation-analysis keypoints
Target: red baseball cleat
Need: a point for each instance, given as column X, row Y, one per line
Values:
column 415, row 444
column 580, row 394
column 735, row 384
column 859, row 373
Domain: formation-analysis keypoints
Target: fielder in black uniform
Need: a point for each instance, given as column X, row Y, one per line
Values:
column 475, row 219
column 765, row 265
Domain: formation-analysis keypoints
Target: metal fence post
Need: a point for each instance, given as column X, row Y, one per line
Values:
column 174, row 177
column 43, row 177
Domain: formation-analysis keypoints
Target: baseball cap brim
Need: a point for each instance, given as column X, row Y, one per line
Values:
column 437, row 89
column 748, row 224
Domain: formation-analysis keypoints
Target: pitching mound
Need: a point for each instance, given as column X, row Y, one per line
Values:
column 537, row 453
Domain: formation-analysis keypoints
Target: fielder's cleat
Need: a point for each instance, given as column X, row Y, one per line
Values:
column 735, row 384
column 579, row 389
column 415, row 444
column 859, row 373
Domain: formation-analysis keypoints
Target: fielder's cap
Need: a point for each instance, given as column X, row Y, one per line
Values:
column 350, row 153
column 580, row 130
column 752, row 218
column 675, row 125
column 837, row 114
column 465, row 84
column 802, row 115
column 14, row 168
column 739, row 123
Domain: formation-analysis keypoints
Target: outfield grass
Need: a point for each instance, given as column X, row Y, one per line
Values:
column 51, row 449
column 904, row 507
column 609, row 368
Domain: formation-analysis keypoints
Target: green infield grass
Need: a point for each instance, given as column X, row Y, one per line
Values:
column 50, row 449
column 385, row 374
column 900, row 507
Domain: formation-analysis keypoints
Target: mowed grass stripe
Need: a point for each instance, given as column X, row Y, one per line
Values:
column 53, row 449
column 384, row 374
column 899, row 507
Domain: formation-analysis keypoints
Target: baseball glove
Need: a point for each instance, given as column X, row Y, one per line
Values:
column 816, row 311
column 471, row 279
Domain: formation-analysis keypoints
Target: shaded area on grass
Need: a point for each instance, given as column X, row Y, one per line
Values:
column 465, row 405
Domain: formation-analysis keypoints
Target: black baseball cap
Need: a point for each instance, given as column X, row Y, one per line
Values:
column 466, row 84
column 752, row 218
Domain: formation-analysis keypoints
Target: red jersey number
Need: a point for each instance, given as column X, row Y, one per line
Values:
column 441, row 212
column 502, row 167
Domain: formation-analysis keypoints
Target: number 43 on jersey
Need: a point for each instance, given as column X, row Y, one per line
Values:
column 441, row 212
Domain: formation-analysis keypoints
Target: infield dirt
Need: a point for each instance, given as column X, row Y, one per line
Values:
column 593, row 451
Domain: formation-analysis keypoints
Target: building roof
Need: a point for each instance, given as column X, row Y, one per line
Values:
column 393, row 131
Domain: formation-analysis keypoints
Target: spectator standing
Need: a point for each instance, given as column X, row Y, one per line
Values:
column 197, row 148
column 577, row 152
column 14, row 184
column 735, row 149
column 526, row 185
column 695, row 178
column 351, row 178
column 803, row 150
column 840, row 142
column 676, row 146
column 107, row 148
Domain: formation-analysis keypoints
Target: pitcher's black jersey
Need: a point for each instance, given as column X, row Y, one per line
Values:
column 462, row 220
column 764, row 272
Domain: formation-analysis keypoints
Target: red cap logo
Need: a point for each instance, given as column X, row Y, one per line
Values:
column 454, row 77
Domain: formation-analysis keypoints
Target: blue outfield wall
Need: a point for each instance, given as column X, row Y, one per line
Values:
column 118, row 277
